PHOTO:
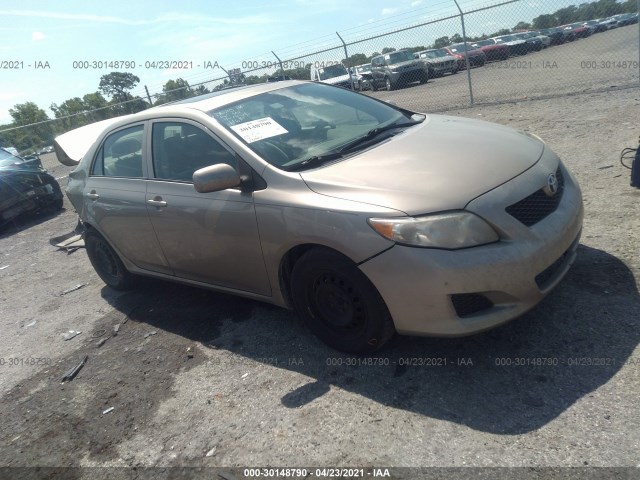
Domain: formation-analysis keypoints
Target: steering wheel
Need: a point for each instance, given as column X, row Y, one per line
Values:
column 272, row 152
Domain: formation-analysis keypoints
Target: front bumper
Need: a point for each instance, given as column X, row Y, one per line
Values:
column 408, row 76
column 445, row 67
column 423, row 287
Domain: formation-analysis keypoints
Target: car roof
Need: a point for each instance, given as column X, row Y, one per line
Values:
column 212, row 100
column 71, row 146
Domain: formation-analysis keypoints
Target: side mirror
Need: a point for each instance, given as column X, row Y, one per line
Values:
column 215, row 178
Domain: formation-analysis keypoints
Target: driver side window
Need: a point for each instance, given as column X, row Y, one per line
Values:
column 179, row 149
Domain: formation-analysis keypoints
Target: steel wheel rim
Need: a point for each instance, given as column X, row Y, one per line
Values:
column 336, row 303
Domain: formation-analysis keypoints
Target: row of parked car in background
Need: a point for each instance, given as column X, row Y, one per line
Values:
column 401, row 67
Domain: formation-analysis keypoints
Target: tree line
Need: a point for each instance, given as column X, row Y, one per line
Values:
column 117, row 86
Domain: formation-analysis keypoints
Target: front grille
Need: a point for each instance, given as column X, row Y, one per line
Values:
column 467, row 304
column 538, row 205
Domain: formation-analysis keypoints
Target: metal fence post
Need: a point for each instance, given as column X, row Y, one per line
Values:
column 466, row 55
column 346, row 57
column 280, row 62
column 149, row 96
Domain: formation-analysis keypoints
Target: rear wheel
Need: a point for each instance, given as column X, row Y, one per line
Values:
column 106, row 262
column 339, row 303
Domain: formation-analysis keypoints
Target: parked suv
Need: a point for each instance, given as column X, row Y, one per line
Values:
column 477, row 57
column 439, row 61
column 395, row 69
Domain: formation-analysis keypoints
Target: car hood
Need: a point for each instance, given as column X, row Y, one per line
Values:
column 334, row 80
column 448, row 58
column 405, row 65
column 471, row 52
column 22, row 167
column 441, row 164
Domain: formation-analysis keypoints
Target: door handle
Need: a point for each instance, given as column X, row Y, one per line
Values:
column 157, row 203
column 93, row 195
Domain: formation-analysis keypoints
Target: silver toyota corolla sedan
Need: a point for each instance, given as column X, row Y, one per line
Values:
column 366, row 218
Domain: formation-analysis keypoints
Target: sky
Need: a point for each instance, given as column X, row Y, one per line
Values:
column 50, row 41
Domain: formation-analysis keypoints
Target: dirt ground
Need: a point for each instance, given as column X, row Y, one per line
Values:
column 196, row 378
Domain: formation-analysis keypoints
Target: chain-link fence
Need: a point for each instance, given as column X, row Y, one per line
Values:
column 516, row 51
column 451, row 54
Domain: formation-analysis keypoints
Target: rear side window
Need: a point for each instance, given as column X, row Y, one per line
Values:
column 121, row 154
column 179, row 149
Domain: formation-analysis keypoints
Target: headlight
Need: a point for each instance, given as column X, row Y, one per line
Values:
column 451, row 230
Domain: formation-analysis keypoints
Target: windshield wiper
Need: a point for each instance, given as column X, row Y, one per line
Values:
column 374, row 133
column 328, row 157
column 314, row 161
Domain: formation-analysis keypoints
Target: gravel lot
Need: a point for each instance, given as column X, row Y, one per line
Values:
column 197, row 378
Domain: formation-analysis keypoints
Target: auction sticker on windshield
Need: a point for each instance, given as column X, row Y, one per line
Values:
column 260, row 129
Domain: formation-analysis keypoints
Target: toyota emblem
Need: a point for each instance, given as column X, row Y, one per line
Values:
column 552, row 185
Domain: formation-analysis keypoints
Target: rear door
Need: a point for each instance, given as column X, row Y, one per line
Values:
column 115, row 195
column 207, row 237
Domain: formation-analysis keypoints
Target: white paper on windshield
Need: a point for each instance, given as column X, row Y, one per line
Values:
column 259, row 129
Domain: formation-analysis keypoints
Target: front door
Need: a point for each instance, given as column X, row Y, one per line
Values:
column 207, row 237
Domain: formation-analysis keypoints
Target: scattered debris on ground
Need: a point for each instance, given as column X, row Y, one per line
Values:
column 70, row 375
column 73, row 289
column 70, row 334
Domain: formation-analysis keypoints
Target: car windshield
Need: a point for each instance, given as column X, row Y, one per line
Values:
column 507, row 38
column 433, row 54
column 332, row 72
column 398, row 57
column 363, row 68
column 483, row 43
column 293, row 124
column 7, row 159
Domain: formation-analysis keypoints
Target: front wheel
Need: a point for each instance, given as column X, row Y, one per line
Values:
column 106, row 262
column 387, row 83
column 339, row 303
